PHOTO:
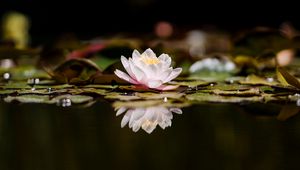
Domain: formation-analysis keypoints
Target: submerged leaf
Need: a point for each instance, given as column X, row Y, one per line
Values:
column 288, row 111
column 75, row 71
column 286, row 79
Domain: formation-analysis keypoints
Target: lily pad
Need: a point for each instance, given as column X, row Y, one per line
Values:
column 205, row 97
column 256, row 80
column 149, row 103
column 77, row 99
column 191, row 83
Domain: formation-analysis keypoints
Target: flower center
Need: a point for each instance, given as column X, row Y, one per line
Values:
column 148, row 60
column 148, row 123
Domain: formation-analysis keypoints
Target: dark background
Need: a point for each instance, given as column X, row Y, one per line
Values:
column 92, row 18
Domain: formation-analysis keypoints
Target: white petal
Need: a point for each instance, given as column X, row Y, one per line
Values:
column 164, row 75
column 149, row 128
column 136, row 127
column 121, row 110
column 149, row 53
column 173, row 74
column 125, row 76
column 176, row 110
column 151, row 71
column 136, row 115
column 136, row 55
column 138, row 73
column 154, row 84
column 126, row 65
column 166, row 60
column 125, row 120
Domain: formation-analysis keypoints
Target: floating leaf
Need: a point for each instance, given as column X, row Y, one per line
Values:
column 205, row 97
column 149, row 103
column 191, row 83
column 77, row 99
column 255, row 80
column 121, row 96
column 164, row 95
column 250, row 92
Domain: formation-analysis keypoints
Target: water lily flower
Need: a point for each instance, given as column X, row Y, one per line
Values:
column 149, row 71
column 147, row 118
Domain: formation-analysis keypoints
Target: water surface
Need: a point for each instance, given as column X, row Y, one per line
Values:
column 215, row 136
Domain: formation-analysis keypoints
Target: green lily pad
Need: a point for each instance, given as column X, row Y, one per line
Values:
column 205, row 97
column 256, row 80
column 77, row 99
column 191, row 83
column 149, row 103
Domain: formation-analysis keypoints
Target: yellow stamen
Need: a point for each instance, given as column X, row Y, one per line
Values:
column 148, row 60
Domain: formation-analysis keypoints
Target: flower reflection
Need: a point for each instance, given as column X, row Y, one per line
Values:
column 147, row 118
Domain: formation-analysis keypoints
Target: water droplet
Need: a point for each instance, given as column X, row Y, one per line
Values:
column 49, row 89
column 6, row 76
column 165, row 99
column 33, row 81
column 64, row 102
column 298, row 102
column 189, row 88
column 270, row 79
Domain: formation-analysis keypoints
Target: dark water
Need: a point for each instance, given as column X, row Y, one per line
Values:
column 36, row 136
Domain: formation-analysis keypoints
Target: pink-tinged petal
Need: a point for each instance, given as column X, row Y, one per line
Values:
column 125, row 77
column 138, row 73
column 154, row 83
column 173, row 74
column 149, row 53
column 121, row 110
column 167, row 87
